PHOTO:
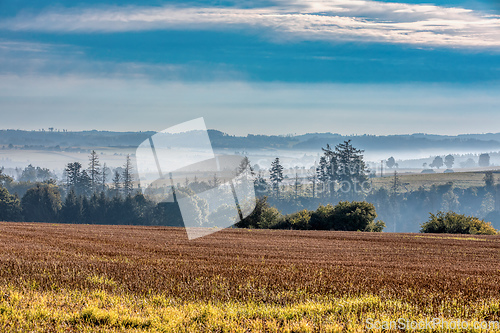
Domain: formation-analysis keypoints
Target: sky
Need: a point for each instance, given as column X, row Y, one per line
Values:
column 260, row 67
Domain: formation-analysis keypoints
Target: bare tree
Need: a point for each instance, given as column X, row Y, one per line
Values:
column 94, row 169
column 104, row 176
column 127, row 176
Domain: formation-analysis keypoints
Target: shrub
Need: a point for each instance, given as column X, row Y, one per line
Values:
column 347, row 216
column 297, row 221
column 453, row 223
column 353, row 216
column 269, row 217
column 375, row 226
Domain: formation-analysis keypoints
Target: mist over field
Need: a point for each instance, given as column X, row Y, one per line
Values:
column 416, row 174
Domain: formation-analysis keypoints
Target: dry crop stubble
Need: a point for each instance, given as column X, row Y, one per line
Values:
column 428, row 275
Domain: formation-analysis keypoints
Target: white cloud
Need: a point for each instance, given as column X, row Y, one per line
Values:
column 333, row 20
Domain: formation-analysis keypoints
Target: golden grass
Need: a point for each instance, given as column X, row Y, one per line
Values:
column 91, row 311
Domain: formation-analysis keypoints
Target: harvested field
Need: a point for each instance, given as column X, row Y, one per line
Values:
column 307, row 273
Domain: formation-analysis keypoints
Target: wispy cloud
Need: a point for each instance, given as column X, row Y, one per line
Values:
column 19, row 46
column 333, row 20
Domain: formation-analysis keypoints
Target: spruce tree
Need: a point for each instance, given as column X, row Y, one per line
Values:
column 276, row 175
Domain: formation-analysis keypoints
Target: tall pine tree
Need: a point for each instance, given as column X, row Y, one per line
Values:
column 276, row 175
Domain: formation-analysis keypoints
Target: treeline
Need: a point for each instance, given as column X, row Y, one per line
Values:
column 63, row 138
column 345, row 216
column 85, row 197
column 43, row 203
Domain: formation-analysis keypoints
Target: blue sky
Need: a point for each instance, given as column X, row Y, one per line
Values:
column 270, row 67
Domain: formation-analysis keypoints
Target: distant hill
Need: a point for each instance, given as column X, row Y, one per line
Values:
column 485, row 142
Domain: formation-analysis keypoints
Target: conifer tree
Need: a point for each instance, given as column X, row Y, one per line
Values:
column 276, row 175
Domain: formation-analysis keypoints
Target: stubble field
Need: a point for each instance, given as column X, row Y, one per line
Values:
column 85, row 278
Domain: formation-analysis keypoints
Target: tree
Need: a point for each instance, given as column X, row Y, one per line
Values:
column 437, row 163
column 391, row 162
column 322, row 173
column 41, row 204
column 353, row 216
column 117, row 182
column 348, row 216
column 260, row 184
column 469, row 163
column 352, row 168
column 104, row 176
column 5, row 180
column 453, row 223
column 313, row 178
column 396, row 183
column 94, row 169
column 263, row 216
column 449, row 160
column 32, row 174
column 215, row 182
column 71, row 211
column 84, row 184
column 276, row 175
column 244, row 165
column 28, row 174
column 330, row 169
column 484, row 160
column 297, row 185
column 73, row 173
column 10, row 206
column 127, row 177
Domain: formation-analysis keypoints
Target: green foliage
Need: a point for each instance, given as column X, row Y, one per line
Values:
column 270, row 218
column 41, row 203
column 296, row 221
column 347, row 216
column 353, row 216
column 10, row 206
column 375, row 226
column 320, row 217
column 344, row 165
column 263, row 216
column 453, row 223
column 276, row 175
column 71, row 211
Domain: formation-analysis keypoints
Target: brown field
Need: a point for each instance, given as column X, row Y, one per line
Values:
column 425, row 276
